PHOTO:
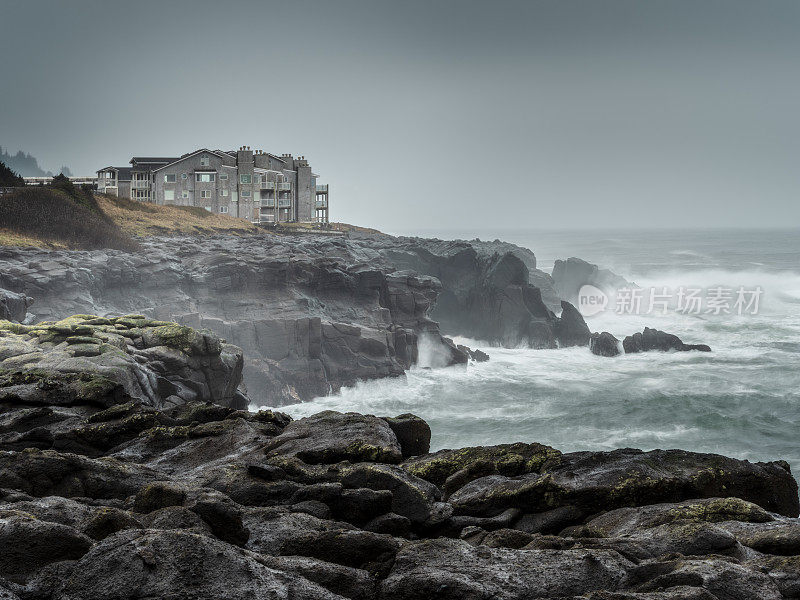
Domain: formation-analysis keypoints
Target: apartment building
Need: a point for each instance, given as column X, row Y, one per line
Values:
column 253, row 185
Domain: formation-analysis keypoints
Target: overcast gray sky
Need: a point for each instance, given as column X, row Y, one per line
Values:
column 436, row 114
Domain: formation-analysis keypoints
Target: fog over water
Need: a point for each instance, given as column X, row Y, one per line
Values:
column 741, row 400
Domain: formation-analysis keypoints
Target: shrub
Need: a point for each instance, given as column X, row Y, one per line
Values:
column 53, row 214
column 82, row 195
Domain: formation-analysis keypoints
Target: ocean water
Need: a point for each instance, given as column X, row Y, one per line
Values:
column 741, row 400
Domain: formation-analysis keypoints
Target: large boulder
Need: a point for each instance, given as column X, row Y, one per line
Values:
column 412, row 497
column 451, row 469
column 171, row 564
column 453, row 569
column 272, row 527
column 653, row 339
column 86, row 359
column 51, row 473
column 720, row 577
column 13, row 306
column 413, row 434
column 373, row 552
column 624, row 521
column 571, row 329
column 604, row 344
column 330, row 437
column 28, row 544
column 597, row 481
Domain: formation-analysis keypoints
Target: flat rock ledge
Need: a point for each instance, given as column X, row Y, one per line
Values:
column 110, row 491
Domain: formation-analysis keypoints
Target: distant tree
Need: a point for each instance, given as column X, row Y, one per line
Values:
column 9, row 178
column 26, row 164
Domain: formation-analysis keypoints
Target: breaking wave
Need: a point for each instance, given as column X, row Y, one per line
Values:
column 741, row 400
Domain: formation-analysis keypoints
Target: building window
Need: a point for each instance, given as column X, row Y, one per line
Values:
column 223, row 177
column 169, row 178
column 205, row 194
column 245, row 179
column 245, row 193
column 183, row 176
column 223, row 192
column 185, row 194
column 205, row 177
column 223, row 209
column 208, row 208
column 234, row 196
column 169, row 195
column 204, row 160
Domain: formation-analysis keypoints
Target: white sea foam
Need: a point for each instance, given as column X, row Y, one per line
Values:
column 743, row 399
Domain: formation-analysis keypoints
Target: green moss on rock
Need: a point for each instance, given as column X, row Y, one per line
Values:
column 505, row 459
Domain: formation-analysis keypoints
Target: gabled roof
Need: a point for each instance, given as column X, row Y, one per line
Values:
column 276, row 157
column 123, row 173
column 152, row 160
column 190, row 154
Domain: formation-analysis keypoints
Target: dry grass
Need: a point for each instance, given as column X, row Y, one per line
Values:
column 13, row 238
column 141, row 219
column 129, row 218
column 61, row 215
column 347, row 227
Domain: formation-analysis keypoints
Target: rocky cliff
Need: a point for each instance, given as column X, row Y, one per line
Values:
column 108, row 491
column 311, row 313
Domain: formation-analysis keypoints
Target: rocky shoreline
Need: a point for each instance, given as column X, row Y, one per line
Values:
column 311, row 313
column 130, row 466
column 115, row 484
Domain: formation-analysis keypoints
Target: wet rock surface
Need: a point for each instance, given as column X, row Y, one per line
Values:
column 604, row 344
column 311, row 313
column 654, row 339
column 571, row 274
column 126, row 497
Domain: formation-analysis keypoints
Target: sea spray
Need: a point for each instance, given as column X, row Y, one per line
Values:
column 742, row 399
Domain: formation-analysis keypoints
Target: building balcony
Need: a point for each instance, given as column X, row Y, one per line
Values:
column 267, row 185
column 321, row 204
column 140, row 185
column 268, row 202
column 284, row 187
column 322, row 189
column 284, row 203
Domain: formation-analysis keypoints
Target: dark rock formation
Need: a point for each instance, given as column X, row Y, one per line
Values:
column 487, row 291
column 631, row 477
column 195, row 499
column 604, row 344
column 571, row 329
column 311, row 313
column 653, row 339
column 110, row 361
column 331, row 437
column 413, row 434
column 13, row 306
column 571, row 274
column 476, row 355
